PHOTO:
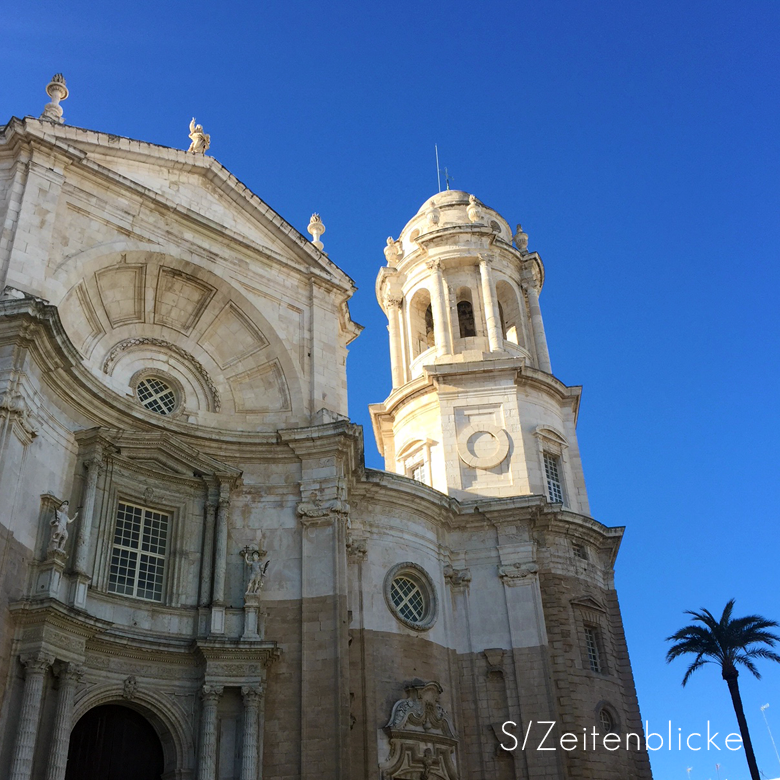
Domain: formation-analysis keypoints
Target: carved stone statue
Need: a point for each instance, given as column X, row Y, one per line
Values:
column 393, row 251
column 59, row 527
column 200, row 141
column 129, row 687
column 257, row 570
column 472, row 210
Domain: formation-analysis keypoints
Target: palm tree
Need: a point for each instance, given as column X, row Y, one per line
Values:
column 729, row 643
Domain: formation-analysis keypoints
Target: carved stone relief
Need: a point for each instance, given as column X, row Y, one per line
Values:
column 422, row 741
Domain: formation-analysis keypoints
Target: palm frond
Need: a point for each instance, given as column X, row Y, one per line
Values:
column 748, row 664
column 727, row 641
column 697, row 664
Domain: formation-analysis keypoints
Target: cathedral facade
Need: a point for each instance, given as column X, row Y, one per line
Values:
column 200, row 577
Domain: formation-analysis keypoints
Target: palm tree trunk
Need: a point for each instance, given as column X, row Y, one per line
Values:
column 736, row 700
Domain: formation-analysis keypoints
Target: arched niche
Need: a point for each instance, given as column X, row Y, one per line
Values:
column 139, row 311
column 421, row 328
column 510, row 313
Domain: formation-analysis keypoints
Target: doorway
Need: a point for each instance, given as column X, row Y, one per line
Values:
column 112, row 742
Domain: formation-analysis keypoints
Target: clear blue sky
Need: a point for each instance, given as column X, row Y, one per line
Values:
column 638, row 145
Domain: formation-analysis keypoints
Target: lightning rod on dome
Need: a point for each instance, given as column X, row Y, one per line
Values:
column 438, row 170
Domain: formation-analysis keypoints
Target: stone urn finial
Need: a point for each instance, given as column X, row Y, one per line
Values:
column 521, row 240
column 57, row 91
column 316, row 229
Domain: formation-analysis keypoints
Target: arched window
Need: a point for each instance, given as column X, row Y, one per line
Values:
column 510, row 313
column 421, row 330
column 466, row 319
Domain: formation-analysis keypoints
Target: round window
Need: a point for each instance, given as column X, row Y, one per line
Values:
column 156, row 395
column 606, row 721
column 410, row 595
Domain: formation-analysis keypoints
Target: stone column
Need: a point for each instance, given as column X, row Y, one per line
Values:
column 252, row 695
column 393, row 306
column 81, row 555
column 69, row 675
column 540, row 340
column 220, row 552
column 29, row 715
column 439, row 311
column 207, row 561
column 220, row 562
column 490, row 305
column 207, row 754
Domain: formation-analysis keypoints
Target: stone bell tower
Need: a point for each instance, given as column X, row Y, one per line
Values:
column 475, row 409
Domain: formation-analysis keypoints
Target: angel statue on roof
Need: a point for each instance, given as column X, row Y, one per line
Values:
column 200, row 141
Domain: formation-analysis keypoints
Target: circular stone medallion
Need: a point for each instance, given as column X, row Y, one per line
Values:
column 483, row 446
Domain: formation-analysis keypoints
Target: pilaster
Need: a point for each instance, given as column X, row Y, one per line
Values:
column 537, row 325
column 441, row 329
column 207, row 750
column 490, row 305
column 36, row 667
column 69, row 676
column 251, row 759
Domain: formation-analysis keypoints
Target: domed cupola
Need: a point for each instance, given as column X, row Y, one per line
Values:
column 474, row 407
column 455, row 289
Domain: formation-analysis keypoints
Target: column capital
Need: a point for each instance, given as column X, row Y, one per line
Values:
column 393, row 300
column 96, row 462
column 36, row 663
column 527, row 285
column 68, row 672
column 252, row 694
column 434, row 264
column 485, row 260
column 211, row 693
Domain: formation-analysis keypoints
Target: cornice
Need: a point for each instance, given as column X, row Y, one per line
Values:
column 48, row 611
column 341, row 436
column 236, row 650
column 35, row 324
column 75, row 145
column 389, row 489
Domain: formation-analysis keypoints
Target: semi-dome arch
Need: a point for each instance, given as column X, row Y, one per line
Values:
column 128, row 310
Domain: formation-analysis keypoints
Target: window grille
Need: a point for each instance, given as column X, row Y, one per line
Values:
column 592, row 646
column 580, row 551
column 138, row 555
column 552, row 472
column 606, row 721
column 408, row 599
column 156, row 395
column 417, row 472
